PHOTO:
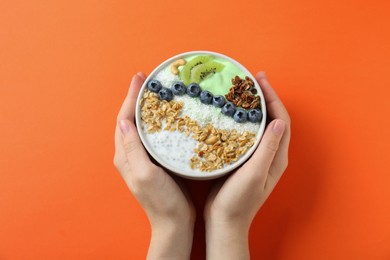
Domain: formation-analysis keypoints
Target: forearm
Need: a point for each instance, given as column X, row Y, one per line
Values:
column 225, row 241
column 171, row 241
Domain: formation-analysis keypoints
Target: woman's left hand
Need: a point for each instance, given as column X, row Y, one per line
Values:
column 164, row 199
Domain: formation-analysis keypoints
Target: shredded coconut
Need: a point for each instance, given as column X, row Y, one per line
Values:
column 205, row 114
column 166, row 78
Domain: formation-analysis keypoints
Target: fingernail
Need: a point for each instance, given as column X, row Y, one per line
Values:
column 278, row 127
column 133, row 79
column 124, row 126
column 261, row 74
column 141, row 74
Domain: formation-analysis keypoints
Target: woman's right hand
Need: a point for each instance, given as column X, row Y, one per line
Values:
column 234, row 201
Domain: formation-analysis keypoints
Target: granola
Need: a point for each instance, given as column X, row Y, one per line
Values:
column 215, row 148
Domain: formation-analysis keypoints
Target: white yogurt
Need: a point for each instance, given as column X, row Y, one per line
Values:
column 174, row 148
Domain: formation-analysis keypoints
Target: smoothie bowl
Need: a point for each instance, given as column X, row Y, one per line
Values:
column 200, row 114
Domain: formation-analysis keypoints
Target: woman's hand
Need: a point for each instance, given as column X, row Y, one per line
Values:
column 164, row 199
column 234, row 201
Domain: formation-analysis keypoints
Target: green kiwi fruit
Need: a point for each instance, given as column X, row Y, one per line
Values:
column 202, row 71
column 185, row 73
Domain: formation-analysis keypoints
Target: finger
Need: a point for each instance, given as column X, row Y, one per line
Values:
column 120, row 159
column 261, row 74
column 134, row 151
column 268, row 147
column 127, row 110
column 142, row 75
column 276, row 109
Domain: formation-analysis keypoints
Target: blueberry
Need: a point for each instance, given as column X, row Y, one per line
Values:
column 178, row 88
column 241, row 116
column 165, row 94
column 219, row 101
column 154, row 85
column 228, row 109
column 255, row 115
column 206, row 97
column 193, row 90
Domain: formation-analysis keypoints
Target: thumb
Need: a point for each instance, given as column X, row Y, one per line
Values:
column 269, row 145
column 134, row 150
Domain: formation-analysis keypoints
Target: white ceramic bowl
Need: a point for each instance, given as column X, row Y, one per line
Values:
column 196, row 174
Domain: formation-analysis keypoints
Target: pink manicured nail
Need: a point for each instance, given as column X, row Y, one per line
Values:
column 278, row 127
column 125, row 127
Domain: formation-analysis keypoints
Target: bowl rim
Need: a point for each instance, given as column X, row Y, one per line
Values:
column 201, row 175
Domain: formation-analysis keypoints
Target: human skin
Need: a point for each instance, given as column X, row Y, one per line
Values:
column 233, row 201
column 172, row 220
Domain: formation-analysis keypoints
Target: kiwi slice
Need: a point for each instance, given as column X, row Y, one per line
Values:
column 202, row 71
column 185, row 73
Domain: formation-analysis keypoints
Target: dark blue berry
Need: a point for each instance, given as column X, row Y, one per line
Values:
column 193, row 90
column 154, row 85
column 165, row 94
column 255, row 115
column 241, row 116
column 206, row 97
column 228, row 109
column 219, row 101
column 178, row 88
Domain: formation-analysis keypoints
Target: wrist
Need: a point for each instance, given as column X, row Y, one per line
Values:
column 171, row 240
column 225, row 240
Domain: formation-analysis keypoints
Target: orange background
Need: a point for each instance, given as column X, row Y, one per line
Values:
column 65, row 67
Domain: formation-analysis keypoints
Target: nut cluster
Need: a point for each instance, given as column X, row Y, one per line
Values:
column 215, row 148
column 243, row 93
column 218, row 147
column 155, row 111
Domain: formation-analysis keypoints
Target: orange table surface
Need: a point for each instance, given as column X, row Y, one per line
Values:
column 65, row 67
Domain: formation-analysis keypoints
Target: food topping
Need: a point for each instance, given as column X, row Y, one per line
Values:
column 243, row 93
column 176, row 64
column 215, row 147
